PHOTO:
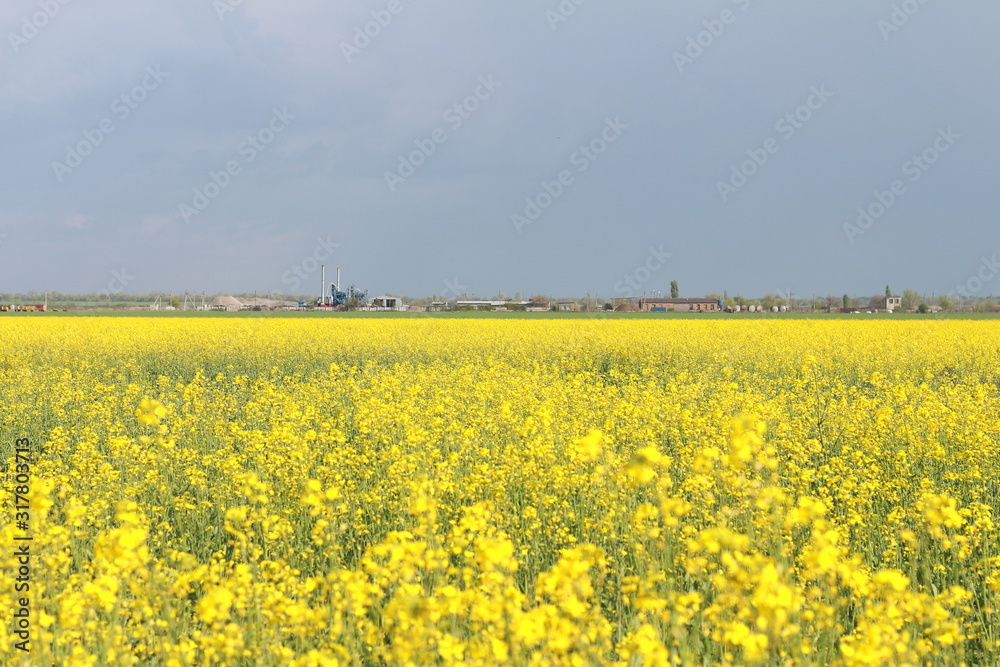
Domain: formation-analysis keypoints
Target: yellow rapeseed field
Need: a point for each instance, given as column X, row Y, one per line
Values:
column 502, row 492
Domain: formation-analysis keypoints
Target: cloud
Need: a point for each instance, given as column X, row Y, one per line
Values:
column 325, row 174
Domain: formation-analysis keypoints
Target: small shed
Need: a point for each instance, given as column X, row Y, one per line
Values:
column 386, row 302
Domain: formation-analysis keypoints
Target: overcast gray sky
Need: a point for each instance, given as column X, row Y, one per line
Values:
column 432, row 147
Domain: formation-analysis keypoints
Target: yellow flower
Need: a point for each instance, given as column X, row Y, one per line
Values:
column 421, row 491
column 589, row 447
column 892, row 580
column 150, row 412
column 644, row 465
column 215, row 605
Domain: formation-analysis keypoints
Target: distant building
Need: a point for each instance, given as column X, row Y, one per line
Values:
column 386, row 302
column 488, row 304
column 893, row 302
column 478, row 304
column 235, row 303
column 566, row 306
column 678, row 305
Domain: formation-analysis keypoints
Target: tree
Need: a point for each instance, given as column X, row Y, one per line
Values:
column 769, row 301
column 675, row 290
column 945, row 302
column 911, row 298
column 847, row 302
column 922, row 308
column 175, row 303
column 888, row 292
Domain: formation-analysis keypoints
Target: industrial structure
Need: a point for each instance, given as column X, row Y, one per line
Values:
column 339, row 299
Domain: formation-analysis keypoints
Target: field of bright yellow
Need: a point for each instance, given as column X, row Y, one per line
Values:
column 551, row 492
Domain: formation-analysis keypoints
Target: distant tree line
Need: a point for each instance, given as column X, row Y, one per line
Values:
column 910, row 300
column 125, row 299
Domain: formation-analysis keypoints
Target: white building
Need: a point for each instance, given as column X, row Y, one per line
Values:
column 386, row 302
